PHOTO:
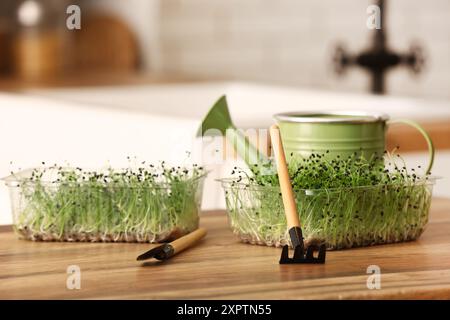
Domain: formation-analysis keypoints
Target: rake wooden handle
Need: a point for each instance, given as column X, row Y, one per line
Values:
column 287, row 194
column 187, row 240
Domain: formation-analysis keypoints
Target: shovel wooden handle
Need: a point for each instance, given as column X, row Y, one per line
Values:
column 187, row 240
column 287, row 194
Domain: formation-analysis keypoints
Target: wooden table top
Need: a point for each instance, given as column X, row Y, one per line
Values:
column 221, row 267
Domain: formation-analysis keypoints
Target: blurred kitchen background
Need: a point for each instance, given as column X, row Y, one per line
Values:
column 139, row 74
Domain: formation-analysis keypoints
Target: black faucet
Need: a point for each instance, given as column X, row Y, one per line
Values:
column 378, row 59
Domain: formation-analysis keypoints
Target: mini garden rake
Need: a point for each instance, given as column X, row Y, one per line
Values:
column 301, row 254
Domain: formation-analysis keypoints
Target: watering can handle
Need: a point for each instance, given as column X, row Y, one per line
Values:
column 417, row 126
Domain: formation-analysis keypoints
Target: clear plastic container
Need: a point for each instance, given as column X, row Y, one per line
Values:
column 343, row 218
column 48, row 210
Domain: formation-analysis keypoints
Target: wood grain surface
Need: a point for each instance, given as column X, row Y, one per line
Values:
column 222, row 267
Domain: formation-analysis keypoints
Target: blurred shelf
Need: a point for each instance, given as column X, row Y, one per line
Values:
column 91, row 79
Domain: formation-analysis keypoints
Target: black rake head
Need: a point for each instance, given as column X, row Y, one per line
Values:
column 300, row 256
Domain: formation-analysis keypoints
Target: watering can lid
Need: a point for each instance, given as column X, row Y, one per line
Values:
column 331, row 117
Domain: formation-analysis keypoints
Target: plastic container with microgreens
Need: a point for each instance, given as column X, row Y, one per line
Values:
column 347, row 203
column 144, row 204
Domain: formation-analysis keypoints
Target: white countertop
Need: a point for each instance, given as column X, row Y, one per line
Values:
column 251, row 105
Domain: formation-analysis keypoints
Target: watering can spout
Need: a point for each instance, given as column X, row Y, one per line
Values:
column 218, row 118
column 218, row 123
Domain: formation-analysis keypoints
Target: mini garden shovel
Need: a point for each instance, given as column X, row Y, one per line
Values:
column 168, row 250
column 290, row 208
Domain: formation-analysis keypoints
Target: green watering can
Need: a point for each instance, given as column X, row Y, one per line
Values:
column 303, row 133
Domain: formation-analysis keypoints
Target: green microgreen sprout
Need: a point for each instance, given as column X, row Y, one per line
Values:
column 148, row 203
column 346, row 202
